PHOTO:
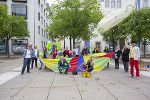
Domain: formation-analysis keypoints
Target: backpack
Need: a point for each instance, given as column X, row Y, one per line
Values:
column 74, row 72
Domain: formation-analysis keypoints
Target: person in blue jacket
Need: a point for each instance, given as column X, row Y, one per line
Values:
column 27, row 55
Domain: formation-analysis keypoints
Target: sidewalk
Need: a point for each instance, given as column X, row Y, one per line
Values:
column 109, row 84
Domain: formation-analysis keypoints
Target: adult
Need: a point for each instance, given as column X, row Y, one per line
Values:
column 44, row 56
column 76, row 51
column 90, row 64
column 54, row 52
column 106, row 50
column 95, row 50
column 85, row 51
column 66, row 52
column 117, row 57
column 63, row 64
column 125, row 57
column 134, row 59
column 35, row 57
column 27, row 55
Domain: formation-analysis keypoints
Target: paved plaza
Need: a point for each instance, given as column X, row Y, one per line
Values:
column 108, row 84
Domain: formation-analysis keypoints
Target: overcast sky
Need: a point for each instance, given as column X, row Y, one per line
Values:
column 50, row 1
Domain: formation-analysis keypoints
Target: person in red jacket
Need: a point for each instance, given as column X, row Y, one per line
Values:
column 66, row 52
column 54, row 52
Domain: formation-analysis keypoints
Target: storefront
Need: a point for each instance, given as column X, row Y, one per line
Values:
column 2, row 46
column 18, row 43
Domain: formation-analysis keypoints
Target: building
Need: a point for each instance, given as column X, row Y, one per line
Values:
column 36, row 17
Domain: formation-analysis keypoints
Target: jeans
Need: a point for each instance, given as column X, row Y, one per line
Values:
column 26, row 62
column 64, row 67
column 117, row 63
column 125, row 66
column 33, row 62
column 90, row 69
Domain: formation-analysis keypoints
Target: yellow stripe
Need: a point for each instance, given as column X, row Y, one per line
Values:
column 49, row 63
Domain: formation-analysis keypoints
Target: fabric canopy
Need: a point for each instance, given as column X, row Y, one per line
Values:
column 100, row 61
column 114, row 18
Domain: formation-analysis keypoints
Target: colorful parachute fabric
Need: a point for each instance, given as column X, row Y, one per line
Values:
column 100, row 61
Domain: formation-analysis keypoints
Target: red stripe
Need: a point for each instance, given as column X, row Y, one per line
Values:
column 73, row 64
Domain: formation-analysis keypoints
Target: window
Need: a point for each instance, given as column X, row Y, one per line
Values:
column 41, row 8
column 3, row 0
column 44, row 23
column 41, row 19
column 39, row 16
column 19, row 10
column 42, row 44
column 42, row 31
column 39, row 29
column 106, row 3
column 44, row 2
column 145, row 3
column 44, row 12
column 98, row 44
column 113, row 4
column 19, row 0
column 39, row 2
column 118, row 3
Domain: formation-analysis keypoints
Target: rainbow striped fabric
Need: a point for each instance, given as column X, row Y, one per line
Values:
column 100, row 61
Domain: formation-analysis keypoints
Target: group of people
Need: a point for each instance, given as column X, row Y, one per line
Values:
column 129, row 54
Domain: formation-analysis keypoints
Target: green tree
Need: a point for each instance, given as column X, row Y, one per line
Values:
column 75, row 19
column 12, row 26
column 136, row 25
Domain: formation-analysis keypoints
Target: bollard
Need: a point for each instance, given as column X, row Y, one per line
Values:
column 147, row 66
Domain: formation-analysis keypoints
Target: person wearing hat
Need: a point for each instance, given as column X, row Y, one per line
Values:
column 63, row 64
column 134, row 59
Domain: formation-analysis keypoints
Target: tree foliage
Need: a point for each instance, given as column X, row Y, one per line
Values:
column 136, row 25
column 11, row 26
column 74, row 18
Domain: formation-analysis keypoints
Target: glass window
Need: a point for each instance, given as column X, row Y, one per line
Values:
column 39, row 16
column 44, row 23
column 42, row 44
column 106, row 3
column 44, row 12
column 113, row 4
column 41, row 8
column 3, row 0
column 118, row 3
column 19, row 10
column 42, row 32
column 39, row 2
column 39, row 29
column 145, row 3
column 41, row 19
column 19, row 0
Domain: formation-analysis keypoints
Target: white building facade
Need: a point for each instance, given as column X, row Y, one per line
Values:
column 35, row 14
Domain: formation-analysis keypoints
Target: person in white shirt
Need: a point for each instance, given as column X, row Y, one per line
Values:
column 76, row 51
column 27, row 55
column 134, row 57
column 35, row 57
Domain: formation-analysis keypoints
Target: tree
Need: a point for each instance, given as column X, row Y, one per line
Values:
column 75, row 19
column 136, row 25
column 12, row 26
